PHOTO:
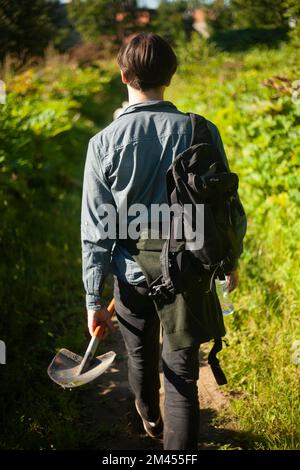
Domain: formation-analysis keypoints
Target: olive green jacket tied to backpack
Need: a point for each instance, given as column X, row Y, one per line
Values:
column 195, row 314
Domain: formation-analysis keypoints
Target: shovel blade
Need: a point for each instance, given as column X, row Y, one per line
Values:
column 64, row 368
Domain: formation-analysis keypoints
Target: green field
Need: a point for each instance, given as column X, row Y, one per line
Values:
column 51, row 111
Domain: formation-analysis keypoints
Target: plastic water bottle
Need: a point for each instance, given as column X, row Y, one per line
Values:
column 224, row 297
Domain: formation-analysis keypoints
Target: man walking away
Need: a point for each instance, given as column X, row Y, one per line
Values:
column 126, row 165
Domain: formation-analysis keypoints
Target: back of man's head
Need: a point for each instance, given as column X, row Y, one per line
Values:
column 147, row 61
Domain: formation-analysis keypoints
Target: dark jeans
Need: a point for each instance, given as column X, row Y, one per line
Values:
column 140, row 327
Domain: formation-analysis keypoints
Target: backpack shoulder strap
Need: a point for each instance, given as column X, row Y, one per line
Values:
column 200, row 130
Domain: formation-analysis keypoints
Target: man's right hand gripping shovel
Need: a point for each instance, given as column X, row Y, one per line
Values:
column 71, row 370
column 102, row 318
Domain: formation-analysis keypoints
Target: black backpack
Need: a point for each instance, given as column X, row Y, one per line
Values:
column 199, row 176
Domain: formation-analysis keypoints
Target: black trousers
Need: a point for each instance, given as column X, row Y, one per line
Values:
column 140, row 328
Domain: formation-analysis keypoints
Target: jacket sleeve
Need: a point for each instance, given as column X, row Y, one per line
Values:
column 240, row 216
column 97, row 227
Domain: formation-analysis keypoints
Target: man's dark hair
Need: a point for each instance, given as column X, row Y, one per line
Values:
column 147, row 61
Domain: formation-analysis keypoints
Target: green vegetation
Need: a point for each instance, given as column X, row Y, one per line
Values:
column 50, row 114
column 52, row 109
column 258, row 13
column 253, row 98
column 98, row 17
column 169, row 20
column 27, row 27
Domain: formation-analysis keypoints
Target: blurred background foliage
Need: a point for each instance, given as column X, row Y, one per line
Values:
column 239, row 66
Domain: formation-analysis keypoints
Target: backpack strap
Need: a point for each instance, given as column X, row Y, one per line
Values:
column 200, row 131
column 214, row 363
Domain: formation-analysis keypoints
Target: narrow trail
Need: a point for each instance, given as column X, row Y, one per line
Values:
column 109, row 420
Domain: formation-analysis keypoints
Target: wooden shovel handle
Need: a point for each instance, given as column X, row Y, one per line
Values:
column 100, row 329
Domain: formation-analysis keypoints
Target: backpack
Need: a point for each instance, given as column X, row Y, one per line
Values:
column 198, row 177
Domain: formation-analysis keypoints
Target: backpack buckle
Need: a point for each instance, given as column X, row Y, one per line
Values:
column 161, row 292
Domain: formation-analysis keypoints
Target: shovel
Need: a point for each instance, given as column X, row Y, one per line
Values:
column 70, row 370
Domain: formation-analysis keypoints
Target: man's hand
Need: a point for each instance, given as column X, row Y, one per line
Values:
column 98, row 317
column 232, row 280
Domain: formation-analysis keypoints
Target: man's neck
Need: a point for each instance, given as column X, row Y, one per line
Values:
column 138, row 96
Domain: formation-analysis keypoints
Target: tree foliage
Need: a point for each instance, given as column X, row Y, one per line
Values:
column 221, row 15
column 98, row 17
column 293, row 16
column 258, row 13
column 26, row 27
column 169, row 21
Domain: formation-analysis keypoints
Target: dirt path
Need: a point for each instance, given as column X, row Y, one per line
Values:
column 109, row 420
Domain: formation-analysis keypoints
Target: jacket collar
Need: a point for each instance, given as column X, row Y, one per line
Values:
column 146, row 104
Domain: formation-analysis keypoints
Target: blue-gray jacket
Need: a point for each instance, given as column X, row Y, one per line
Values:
column 126, row 164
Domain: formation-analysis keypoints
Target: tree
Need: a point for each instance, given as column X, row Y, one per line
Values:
column 220, row 15
column 258, row 13
column 293, row 17
column 169, row 21
column 98, row 17
column 26, row 27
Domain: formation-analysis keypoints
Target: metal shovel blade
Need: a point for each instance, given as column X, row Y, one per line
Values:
column 65, row 367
